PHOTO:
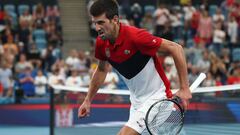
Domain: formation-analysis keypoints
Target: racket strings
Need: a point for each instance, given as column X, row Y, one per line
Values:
column 165, row 118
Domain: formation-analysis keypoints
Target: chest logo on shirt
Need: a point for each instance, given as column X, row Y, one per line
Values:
column 107, row 52
column 126, row 52
column 154, row 41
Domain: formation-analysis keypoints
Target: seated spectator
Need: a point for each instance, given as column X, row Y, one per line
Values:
column 26, row 82
column 6, row 80
column 34, row 55
column 84, row 63
column 56, row 79
column 218, row 16
column 74, row 79
column 72, row 60
column 52, row 12
column 40, row 84
column 111, row 79
column 24, row 34
column 26, row 16
column 39, row 12
column 10, row 46
column 22, row 64
column 60, row 64
column 204, row 63
column 48, row 57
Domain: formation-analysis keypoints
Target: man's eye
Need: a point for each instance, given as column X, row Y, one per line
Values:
column 99, row 23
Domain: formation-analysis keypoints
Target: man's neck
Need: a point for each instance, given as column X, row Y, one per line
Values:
column 116, row 34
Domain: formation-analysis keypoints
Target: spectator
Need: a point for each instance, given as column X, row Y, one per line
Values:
column 136, row 14
column 26, row 81
column 232, row 32
column 84, row 63
column 72, row 60
column 176, row 23
column 162, row 17
column 40, row 82
column 205, row 27
column 60, row 64
column 22, row 64
column 10, row 46
column 6, row 81
column 39, row 12
column 26, row 17
column 74, row 79
column 218, row 38
column 188, row 10
column 52, row 12
column 48, row 57
column 203, row 64
column 218, row 16
column 147, row 23
column 111, row 80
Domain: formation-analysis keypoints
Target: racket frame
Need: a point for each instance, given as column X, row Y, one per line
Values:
column 176, row 101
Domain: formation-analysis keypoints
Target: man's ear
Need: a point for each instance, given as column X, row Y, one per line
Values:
column 116, row 18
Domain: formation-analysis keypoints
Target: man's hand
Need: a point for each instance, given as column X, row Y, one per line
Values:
column 185, row 95
column 84, row 109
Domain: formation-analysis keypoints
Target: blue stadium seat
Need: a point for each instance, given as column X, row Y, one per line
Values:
column 22, row 9
column 39, row 34
column 212, row 9
column 236, row 54
column 149, row 9
column 14, row 18
column 41, row 44
column 9, row 8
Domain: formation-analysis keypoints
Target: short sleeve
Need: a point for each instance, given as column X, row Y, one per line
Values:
column 147, row 43
column 99, row 50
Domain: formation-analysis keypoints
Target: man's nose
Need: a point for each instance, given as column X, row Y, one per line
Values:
column 97, row 27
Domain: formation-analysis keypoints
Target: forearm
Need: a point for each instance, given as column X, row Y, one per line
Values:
column 176, row 51
column 96, row 81
column 181, row 65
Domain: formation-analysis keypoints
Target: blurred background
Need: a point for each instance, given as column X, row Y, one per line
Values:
column 44, row 42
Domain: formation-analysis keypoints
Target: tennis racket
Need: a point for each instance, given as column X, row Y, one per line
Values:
column 166, row 117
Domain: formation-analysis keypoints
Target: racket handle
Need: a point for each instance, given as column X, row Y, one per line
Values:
column 197, row 82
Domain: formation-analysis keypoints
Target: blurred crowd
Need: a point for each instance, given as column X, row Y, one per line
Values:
column 30, row 44
column 31, row 55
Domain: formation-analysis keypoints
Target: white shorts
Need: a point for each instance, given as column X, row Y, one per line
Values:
column 137, row 116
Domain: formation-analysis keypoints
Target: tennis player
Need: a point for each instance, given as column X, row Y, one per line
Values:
column 132, row 52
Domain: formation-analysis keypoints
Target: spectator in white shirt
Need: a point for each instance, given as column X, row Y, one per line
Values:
column 111, row 79
column 40, row 84
column 218, row 16
column 72, row 60
column 218, row 38
column 74, row 79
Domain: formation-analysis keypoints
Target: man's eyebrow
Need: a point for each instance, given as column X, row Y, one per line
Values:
column 98, row 21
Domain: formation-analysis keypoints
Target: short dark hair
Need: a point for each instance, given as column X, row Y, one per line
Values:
column 99, row 7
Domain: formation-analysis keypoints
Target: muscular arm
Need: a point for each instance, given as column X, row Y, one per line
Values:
column 97, row 80
column 178, row 55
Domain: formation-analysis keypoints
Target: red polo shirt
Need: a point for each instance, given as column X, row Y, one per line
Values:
column 131, row 56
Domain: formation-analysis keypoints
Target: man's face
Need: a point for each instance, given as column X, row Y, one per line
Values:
column 105, row 27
